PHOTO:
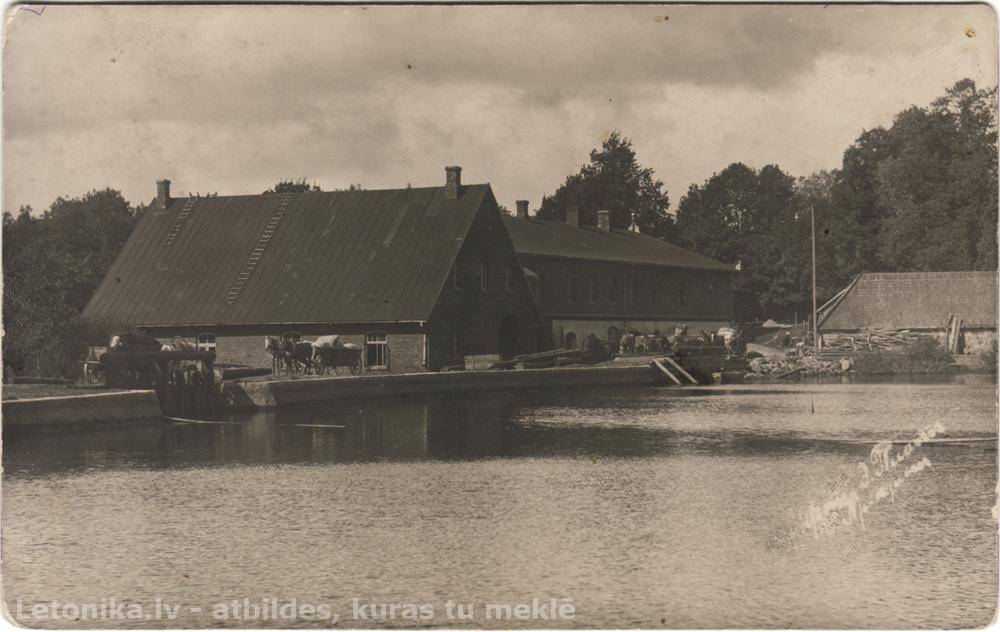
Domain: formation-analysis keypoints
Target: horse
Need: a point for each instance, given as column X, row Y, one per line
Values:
column 179, row 344
column 647, row 343
column 297, row 354
column 627, row 343
column 273, row 346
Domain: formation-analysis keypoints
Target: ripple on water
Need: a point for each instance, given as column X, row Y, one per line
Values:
column 637, row 504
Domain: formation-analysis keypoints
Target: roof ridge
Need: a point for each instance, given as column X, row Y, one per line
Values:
column 385, row 190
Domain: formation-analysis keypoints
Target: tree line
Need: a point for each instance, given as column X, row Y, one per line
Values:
column 920, row 195
column 52, row 265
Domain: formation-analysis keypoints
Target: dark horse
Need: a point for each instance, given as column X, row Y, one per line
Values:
column 297, row 355
column 289, row 356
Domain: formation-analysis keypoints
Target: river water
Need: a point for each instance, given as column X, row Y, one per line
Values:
column 636, row 507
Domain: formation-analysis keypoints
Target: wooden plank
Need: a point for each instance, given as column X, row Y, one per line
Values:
column 792, row 372
column 546, row 355
column 663, row 369
column 680, row 369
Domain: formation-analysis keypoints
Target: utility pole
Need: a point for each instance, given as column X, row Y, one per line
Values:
column 812, row 219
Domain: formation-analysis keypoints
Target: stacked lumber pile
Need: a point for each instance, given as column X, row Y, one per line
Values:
column 558, row 357
column 871, row 339
column 836, row 357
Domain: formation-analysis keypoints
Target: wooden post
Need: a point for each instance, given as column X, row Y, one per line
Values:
column 812, row 219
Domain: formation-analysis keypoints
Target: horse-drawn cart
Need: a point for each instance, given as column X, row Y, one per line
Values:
column 331, row 353
column 333, row 359
column 326, row 354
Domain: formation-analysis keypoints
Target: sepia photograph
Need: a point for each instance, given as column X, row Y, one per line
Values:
column 499, row 316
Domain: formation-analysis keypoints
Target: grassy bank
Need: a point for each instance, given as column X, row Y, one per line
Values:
column 926, row 355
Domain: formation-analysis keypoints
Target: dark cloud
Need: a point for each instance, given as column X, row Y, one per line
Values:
column 82, row 64
column 232, row 96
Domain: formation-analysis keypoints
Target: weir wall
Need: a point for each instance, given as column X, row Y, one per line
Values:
column 90, row 409
column 275, row 394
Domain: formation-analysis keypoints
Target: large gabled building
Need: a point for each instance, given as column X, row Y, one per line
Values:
column 925, row 302
column 603, row 281
column 420, row 278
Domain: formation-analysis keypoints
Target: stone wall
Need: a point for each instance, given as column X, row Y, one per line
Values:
column 279, row 393
column 91, row 409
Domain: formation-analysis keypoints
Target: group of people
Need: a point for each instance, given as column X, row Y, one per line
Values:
column 634, row 342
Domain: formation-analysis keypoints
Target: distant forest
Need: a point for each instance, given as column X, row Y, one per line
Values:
column 920, row 195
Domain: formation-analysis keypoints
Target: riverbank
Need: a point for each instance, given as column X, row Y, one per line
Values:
column 921, row 356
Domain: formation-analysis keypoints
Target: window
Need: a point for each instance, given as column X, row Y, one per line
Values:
column 376, row 350
column 711, row 290
column 458, row 345
column 458, row 275
column 682, row 291
column 205, row 342
column 571, row 288
column 632, row 290
column 612, row 288
column 294, row 336
column 509, row 278
column 613, row 337
column 482, row 276
column 570, row 340
column 592, row 288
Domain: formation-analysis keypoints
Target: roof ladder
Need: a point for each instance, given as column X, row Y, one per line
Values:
column 258, row 249
column 181, row 218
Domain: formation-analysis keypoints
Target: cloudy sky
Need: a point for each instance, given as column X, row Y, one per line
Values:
column 232, row 99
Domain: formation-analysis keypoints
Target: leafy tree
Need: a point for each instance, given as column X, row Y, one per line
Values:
column 295, row 186
column 613, row 180
column 753, row 218
column 940, row 184
column 52, row 265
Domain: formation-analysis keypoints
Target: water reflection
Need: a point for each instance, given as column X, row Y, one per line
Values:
column 642, row 505
column 621, row 423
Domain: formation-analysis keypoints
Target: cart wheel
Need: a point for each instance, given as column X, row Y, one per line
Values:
column 356, row 366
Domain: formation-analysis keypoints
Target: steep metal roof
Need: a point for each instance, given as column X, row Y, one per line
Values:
column 916, row 300
column 349, row 256
column 558, row 239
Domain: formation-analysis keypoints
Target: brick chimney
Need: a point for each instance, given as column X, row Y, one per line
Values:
column 522, row 209
column 573, row 216
column 604, row 221
column 162, row 193
column 453, row 183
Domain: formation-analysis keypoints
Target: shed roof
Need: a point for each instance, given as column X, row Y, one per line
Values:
column 916, row 300
column 558, row 239
column 348, row 256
